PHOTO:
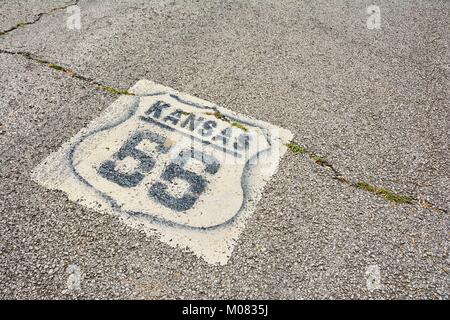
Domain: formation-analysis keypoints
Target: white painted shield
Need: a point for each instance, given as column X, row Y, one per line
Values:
column 172, row 164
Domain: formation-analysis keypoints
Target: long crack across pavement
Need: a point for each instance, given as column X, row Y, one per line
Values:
column 384, row 193
column 70, row 72
column 292, row 146
column 38, row 17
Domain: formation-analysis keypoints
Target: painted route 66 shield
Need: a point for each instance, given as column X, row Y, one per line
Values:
column 172, row 164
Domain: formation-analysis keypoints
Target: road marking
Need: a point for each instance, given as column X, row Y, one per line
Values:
column 171, row 164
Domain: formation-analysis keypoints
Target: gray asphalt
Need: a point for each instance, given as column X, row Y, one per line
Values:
column 374, row 103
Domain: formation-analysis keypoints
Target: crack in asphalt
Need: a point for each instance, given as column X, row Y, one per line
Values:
column 37, row 18
column 292, row 146
column 361, row 185
column 70, row 72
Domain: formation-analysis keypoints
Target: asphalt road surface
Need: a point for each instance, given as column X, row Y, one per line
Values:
column 359, row 205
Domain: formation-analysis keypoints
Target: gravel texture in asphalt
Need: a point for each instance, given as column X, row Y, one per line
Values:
column 373, row 103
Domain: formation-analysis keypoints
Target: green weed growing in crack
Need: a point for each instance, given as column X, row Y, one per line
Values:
column 386, row 194
column 114, row 90
column 218, row 115
column 239, row 126
column 319, row 160
column 20, row 24
column 223, row 117
column 70, row 72
column 73, row 73
column 56, row 67
column 295, row 148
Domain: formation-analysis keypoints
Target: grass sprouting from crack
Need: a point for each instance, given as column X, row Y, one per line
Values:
column 70, row 72
column 220, row 116
column 239, row 125
column 19, row 25
column 223, row 117
column 295, row 148
column 320, row 160
column 56, row 67
column 74, row 74
column 386, row 194
column 114, row 90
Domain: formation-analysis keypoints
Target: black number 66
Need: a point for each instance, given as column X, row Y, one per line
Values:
column 175, row 169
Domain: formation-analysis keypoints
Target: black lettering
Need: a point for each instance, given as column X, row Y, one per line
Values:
column 146, row 163
column 208, row 127
column 174, row 117
column 193, row 123
column 197, row 183
column 157, row 108
column 242, row 142
column 224, row 135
